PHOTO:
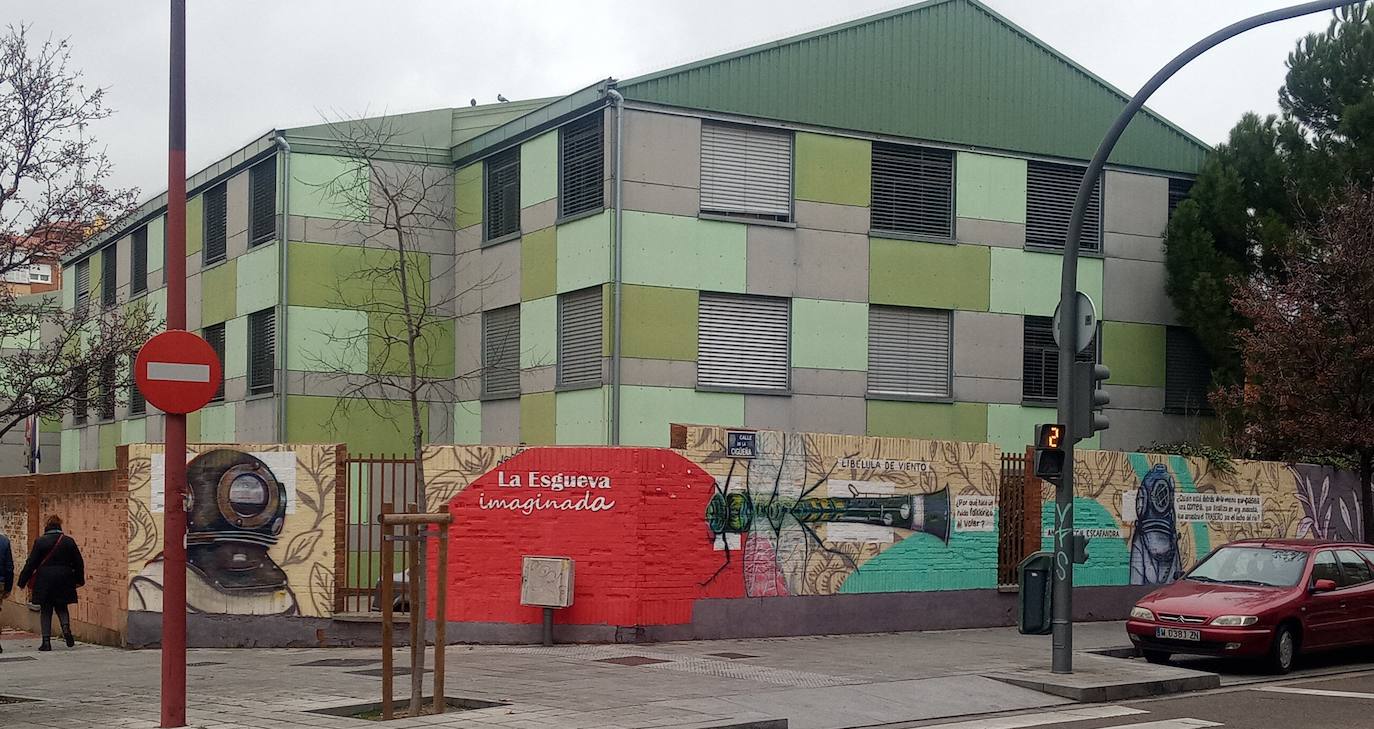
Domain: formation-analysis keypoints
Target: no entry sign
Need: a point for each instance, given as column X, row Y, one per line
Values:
column 177, row 371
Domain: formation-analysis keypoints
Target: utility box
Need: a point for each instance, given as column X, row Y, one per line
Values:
column 1033, row 617
column 546, row 582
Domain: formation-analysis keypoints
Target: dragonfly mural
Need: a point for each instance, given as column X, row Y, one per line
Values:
column 773, row 520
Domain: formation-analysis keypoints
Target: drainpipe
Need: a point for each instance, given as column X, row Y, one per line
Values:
column 618, row 102
column 282, row 372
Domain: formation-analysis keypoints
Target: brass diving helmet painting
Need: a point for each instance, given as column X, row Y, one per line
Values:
column 235, row 514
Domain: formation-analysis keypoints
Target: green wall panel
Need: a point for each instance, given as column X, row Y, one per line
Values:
column 218, row 423
column 218, row 293
column 658, row 323
column 646, row 412
column 584, row 252
column 539, row 332
column 157, row 239
column 195, row 229
column 71, row 450
column 831, row 335
column 962, row 421
column 539, row 264
column 133, row 431
column 539, row 169
column 1134, row 353
column 236, row 348
column 990, row 188
column 68, row 287
column 326, row 340
column 95, row 276
column 580, row 417
column 538, row 425
column 256, row 279
column 1024, row 282
column 156, row 301
column 1012, row 427
column 833, row 169
column 683, row 252
column 109, row 438
column 467, row 422
column 324, row 186
column 386, row 347
column 933, row 275
column 328, row 276
column 467, row 195
column 381, row 427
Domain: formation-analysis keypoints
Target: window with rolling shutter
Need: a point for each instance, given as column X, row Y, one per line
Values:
column 83, row 284
column 501, row 352
column 214, row 335
column 579, row 338
column 580, row 162
column 1040, row 360
column 106, row 394
column 1178, row 192
column 109, row 267
column 137, row 404
column 746, row 171
column 913, row 190
column 81, row 400
column 216, row 212
column 1050, row 192
column 742, row 342
column 262, row 346
column 138, row 262
column 503, row 194
column 1187, row 373
column 909, row 352
column 262, row 202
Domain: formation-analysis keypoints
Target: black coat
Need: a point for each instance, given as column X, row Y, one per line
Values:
column 56, row 581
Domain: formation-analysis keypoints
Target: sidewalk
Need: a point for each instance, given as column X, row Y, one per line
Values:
column 814, row 682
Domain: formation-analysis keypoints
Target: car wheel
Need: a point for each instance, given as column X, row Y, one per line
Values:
column 1156, row 657
column 1284, row 651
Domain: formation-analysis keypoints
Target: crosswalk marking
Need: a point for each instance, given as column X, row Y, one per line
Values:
column 1169, row 724
column 1059, row 716
column 1314, row 692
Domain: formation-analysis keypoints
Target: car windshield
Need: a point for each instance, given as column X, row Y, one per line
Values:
column 1251, row 566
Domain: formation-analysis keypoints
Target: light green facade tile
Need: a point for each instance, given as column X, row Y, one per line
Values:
column 50, row 425
column 1012, row 427
column 133, row 431
column 539, row 264
column 69, row 288
column 833, row 169
column 193, row 427
column 156, row 301
column 236, row 348
column 539, row 169
column 1024, row 282
column 336, row 277
column 322, row 186
column 580, row 417
column 256, row 279
column 1134, row 353
column 387, row 352
column 682, row 252
column 990, row 188
column 932, row 275
column 467, row 422
column 71, row 450
column 195, row 229
column 961, row 421
column 381, row 427
column 584, row 252
column 539, row 332
column 218, row 423
column 829, row 335
column 537, row 419
column 95, row 276
column 109, row 438
column 647, row 412
column 219, row 293
column 467, row 196
column 157, row 240
column 658, row 323
column 326, row 340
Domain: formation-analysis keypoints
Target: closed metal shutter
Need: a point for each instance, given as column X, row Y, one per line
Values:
column 1178, row 192
column 1187, row 373
column 214, row 335
column 216, row 215
column 262, row 201
column 580, row 178
column 746, row 171
column 138, row 262
column 1040, row 360
column 262, row 343
column 579, row 337
column 503, row 194
column 913, row 190
column 1050, row 192
column 107, row 388
column 742, row 342
column 83, row 284
column 82, row 388
column 137, row 404
column 501, row 352
column 908, row 351
column 109, row 267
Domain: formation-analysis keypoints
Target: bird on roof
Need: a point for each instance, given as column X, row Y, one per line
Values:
column 501, row 98
column 472, row 102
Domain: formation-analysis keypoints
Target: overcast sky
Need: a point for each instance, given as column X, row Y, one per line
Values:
column 258, row 64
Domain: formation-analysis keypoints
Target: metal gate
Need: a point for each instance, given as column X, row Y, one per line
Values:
column 1018, row 521
column 376, row 483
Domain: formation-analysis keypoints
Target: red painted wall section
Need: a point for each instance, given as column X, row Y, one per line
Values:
column 632, row 519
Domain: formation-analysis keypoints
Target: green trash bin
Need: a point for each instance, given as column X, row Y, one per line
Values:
column 1034, row 615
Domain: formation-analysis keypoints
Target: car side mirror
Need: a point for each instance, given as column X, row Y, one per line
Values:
column 1323, row 586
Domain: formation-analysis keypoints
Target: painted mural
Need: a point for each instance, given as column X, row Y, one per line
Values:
column 259, row 529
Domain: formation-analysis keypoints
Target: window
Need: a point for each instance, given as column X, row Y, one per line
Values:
column 40, row 273
column 1324, row 567
column 912, row 190
column 1187, row 373
column 214, row 335
column 82, row 388
column 83, row 284
column 109, row 267
column 746, row 171
column 216, row 224
column 503, row 194
column 579, row 338
column 908, row 352
column 501, row 352
column 1178, row 192
column 580, row 167
column 106, row 400
column 1050, row 192
column 138, row 262
column 262, row 346
column 1040, row 360
column 1354, row 571
column 742, row 342
column 137, row 405
column 262, row 202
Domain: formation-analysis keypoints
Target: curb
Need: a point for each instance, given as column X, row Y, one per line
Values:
column 1115, row 691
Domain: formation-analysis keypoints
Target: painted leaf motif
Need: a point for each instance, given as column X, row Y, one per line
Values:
column 306, row 500
column 143, row 541
column 1346, row 520
column 301, row 547
column 321, row 588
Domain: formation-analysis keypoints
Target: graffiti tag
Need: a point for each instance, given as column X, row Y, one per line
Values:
column 1061, row 535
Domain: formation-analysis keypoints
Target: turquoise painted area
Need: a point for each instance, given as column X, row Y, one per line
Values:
column 539, row 332
column 829, row 335
column 1183, row 481
column 580, row 417
column 921, row 563
column 326, row 340
column 71, row 449
column 157, row 238
column 467, row 422
column 256, row 280
column 680, row 252
column 321, row 186
column 584, row 252
column 1109, row 558
column 235, row 348
column 539, row 169
column 1027, row 282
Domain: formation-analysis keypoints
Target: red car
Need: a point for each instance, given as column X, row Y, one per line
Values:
column 1262, row 598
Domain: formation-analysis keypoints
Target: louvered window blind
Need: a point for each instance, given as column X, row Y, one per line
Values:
column 262, row 202
column 501, row 352
column 579, row 338
column 1187, row 373
column 1040, row 360
column 908, row 351
column 216, row 222
column 503, row 194
column 214, row 335
column 137, row 404
column 81, row 406
column 580, row 167
column 742, row 342
column 1050, row 192
column 746, row 171
column 83, row 284
column 107, row 388
column 1178, row 192
column 138, row 262
column 262, row 345
column 109, row 267
column 913, row 190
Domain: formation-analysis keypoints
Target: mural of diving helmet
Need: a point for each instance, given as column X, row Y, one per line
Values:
column 1155, row 557
column 236, row 514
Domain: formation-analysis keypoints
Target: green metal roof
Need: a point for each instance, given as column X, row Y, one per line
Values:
column 951, row 71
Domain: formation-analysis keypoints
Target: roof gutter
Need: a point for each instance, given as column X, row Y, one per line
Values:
column 618, row 104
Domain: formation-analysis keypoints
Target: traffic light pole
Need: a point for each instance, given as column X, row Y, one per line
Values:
column 1062, row 622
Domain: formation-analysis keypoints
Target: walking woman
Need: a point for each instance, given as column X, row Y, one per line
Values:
column 54, row 570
